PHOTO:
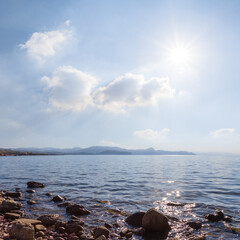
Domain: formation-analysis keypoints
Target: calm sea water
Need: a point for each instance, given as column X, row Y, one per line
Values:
column 133, row 183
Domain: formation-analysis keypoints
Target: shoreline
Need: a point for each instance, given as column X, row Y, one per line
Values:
column 122, row 226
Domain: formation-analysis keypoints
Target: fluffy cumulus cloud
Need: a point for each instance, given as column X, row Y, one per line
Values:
column 150, row 134
column 132, row 90
column 45, row 44
column 223, row 132
column 69, row 88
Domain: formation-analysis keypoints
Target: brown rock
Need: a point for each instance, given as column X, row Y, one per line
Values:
column 102, row 237
column 195, row 225
column 77, row 209
column 58, row 198
column 8, row 205
column 14, row 194
column 33, row 184
column 65, row 204
column 31, row 202
column 40, row 234
column 135, row 219
column 155, row 221
column 139, row 231
column 29, row 221
column 40, row 227
column 49, row 219
column 124, row 232
column 21, row 231
column 98, row 231
column 74, row 227
column 12, row 216
column 30, row 191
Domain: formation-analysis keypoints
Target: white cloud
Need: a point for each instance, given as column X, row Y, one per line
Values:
column 132, row 90
column 42, row 45
column 223, row 132
column 69, row 88
column 150, row 134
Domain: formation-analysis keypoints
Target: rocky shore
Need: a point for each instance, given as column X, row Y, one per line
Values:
column 152, row 224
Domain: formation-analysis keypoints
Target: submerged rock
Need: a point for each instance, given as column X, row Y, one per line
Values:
column 135, row 219
column 155, row 221
column 216, row 217
column 21, row 231
column 33, row 184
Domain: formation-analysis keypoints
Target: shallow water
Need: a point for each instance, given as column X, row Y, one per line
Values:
column 133, row 183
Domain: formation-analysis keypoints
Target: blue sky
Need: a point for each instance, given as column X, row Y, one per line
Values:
column 130, row 73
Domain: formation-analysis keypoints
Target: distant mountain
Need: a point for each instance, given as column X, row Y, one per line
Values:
column 101, row 150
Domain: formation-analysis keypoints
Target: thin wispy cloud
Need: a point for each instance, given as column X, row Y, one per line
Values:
column 149, row 134
column 223, row 132
column 69, row 88
column 131, row 90
column 42, row 45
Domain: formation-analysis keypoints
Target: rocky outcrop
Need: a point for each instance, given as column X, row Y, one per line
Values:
column 135, row 219
column 22, row 231
column 155, row 221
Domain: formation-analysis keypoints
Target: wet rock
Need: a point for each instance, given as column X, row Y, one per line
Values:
column 128, row 235
column 21, row 231
column 77, row 209
column 12, row 216
column 61, row 230
column 102, row 237
column 227, row 219
column 107, row 225
column 135, row 219
column 124, row 232
column 139, row 231
column 65, row 204
column 49, row 194
column 155, row 221
column 13, row 194
column 99, row 231
column 33, row 184
column 49, row 219
column 58, row 198
column 195, row 225
column 172, row 204
column 40, row 227
column 74, row 227
column 60, row 224
column 8, row 205
column 216, row 217
column 78, row 220
column 31, row 202
column 30, row 191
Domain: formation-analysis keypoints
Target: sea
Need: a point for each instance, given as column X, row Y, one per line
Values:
column 114, row 186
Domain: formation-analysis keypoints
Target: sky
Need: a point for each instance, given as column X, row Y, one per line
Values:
column 129, row 73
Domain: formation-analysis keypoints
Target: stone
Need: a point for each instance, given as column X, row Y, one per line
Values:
column 33, row 184
column 195, row 225
column 216, row 217
column 49, row 219
column 13, row 194
column 40, row 234
column 74, row 227
column 78, row 220
column 98, row 231
column 29, row 221
column 135, row 219
column 31, row 202
column 30, row 191
column 102, row 237
column 77, row 209
column 58, row 198
column 21, row 231
column 12, row 216
column 107, row 225
column 65, row 204
column 60, row 224
column 61, row 230
column 172, row 204
column 128, row 235
column 40, row 227
column 124, row 232
column 49, row 194
column 139, row 231
column 155, row 221
column 8, row 205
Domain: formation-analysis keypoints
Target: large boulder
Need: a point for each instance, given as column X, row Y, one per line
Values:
column 135, row 219
column 155, row 221
column 49, row 219
column 33, row 184
column 77, row 209
column 9, row 205
column 21, row 231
